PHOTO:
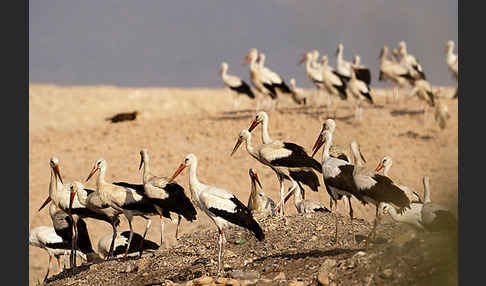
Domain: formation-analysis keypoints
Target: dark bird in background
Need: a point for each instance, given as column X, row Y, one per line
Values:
column 125, row 116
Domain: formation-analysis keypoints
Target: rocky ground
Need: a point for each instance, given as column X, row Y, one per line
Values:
column 297, row 250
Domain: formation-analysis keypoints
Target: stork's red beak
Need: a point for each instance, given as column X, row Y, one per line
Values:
column 303, row 59
column 254, row 177
column 141, row 163
column 238, row 143
column 45, row 203
column 58, row 173
column 95, row 168
column 253, row 125
column 177, row 172
column 379, row 167
column 247, row 60
column 71, row 199
column 319, row 141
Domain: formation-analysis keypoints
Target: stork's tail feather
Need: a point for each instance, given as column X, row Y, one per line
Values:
column 284, row 88
column 323, row 209
column 256, row 229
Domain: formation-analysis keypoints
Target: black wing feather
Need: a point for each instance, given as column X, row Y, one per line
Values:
column 243, row 88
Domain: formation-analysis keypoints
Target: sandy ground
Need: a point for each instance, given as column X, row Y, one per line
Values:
column 69, row 122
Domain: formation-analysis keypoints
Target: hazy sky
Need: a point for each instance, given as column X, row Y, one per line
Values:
column 182, row 43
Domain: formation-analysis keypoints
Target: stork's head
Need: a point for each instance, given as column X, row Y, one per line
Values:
column 324, row 136
column 449, row 46
column 386, row 162
column 252, row 55
column 383, row 52
column 54, row 164
column 402, row 47
column 292, row 82
column 242, row 137
column 306, row 57
column 339, row 48
column 356, row 60
column 223, row 68
column 74, row 187
column 259, row 118
column 189, row 160
column 100, row 164
column 254, row 177
column 324, row 60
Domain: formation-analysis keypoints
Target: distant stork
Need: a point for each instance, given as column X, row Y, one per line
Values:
column 410, row 62
column 234, row 83
column 258, row 78
column 452, row 60
column 334, row 82
column 276, row 79
column 343, row 67
column 121, row 244
column 359, row 89
column 221, row 206
column 259, row 202
column 165, row 197
column 436, row 217
column 313, row 69
column 394, row 72
column 376, row 189
column 298, row 94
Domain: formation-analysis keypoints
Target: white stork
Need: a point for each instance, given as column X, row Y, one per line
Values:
column 221, row 206
column 409, row 61
column 288, row 160
column 45, row 237
column 423, row 90
column 262, row 118
column 334, row 82
column 259, row 202
column 127, row 198
column 343, row 67
column 298, row 94
column 376, row 189
column 410, row 216
column 276, row 79
column 395, row 57
column 359, row 89
column 61, row 196
column 394, row 72
column 436, row 217
column 337, row 172
column 121, row 244
column 259, row 80
column 165, row 197
column 313, row 70
column 234, row 83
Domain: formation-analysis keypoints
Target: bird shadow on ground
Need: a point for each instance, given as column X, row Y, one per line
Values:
column 234, row 112
column 400, row 112
column 231, row 117
column 415, row 135
column 312, row 253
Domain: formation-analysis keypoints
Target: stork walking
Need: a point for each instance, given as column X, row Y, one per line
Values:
column 235, row 84
column 258, row 202
column 289, row 161
column 166, row 197
column 376, row 189
column 220, row 205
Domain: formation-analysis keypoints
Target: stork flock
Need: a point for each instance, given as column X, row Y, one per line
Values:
column 347, row 80
column 71, row 203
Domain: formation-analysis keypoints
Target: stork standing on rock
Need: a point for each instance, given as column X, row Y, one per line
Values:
column 221, row 206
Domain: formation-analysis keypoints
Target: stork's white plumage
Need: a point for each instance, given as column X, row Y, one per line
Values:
column 220, row 205
column 313, row 70
column 258, row 202
column 291, row 155
column 359, row 89
column 298, row 94
column 334, row 82
column 124, row 197
column 276, row 79
column 394, row 72
column 235, row 84
column 376, row 189
column 410, row 62
column 166, row 197
column 436, row 217
column 343, row 67
column 259, row 80
column 45, row 237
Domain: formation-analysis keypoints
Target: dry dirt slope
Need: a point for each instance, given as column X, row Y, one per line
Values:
column 300, row 246
column 69, row 122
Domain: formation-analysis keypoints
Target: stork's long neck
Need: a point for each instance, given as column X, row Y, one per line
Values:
column 327, row 147
column 146, row 170
column 55, row 186
column 194, row 184
column 252, row 200
column 386, row 169
column 426, row 192
column 251, row 150
column 265, row 136
column 450, row 54
column 100, row 181
column 339, row 58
